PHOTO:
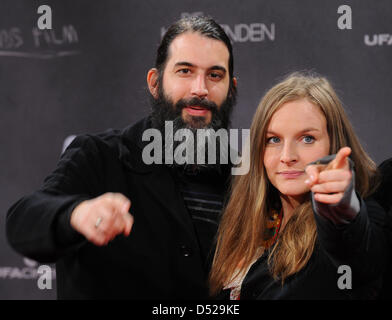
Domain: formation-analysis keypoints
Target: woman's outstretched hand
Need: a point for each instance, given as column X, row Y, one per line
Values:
column 329, row 182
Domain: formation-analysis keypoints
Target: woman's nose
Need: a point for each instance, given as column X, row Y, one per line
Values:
column 289, row 154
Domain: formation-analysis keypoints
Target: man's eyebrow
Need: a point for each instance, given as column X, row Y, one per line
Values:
column 188, row 64
column 223, row 69
column 184, row 63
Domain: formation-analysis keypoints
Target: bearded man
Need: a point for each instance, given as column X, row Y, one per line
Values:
column 117, row 227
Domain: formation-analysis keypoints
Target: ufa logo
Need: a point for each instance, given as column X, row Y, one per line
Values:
column 378, row 39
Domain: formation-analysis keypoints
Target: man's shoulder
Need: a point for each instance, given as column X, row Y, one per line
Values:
column 111, row 138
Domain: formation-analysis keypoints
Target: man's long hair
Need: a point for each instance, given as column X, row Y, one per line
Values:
column 205, row 26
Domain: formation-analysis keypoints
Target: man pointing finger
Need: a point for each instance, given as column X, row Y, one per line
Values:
column 80, row 218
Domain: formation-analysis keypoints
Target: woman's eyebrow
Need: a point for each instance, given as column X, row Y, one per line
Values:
column 310, row 129
column 301, row 131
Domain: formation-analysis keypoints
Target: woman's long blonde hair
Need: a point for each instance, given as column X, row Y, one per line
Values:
column 244, row 220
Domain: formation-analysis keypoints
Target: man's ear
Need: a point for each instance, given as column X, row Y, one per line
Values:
column 234, row 81
column 152, row 82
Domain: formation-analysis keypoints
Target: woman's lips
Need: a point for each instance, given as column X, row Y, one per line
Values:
column 291, row 174
column 196, row 111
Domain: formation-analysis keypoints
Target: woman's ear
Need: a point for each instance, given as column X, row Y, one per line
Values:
column 152, row 82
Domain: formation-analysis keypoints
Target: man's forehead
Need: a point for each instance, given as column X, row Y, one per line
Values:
column 196, row 49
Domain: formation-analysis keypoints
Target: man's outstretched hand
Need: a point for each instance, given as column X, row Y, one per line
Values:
column 101, row 219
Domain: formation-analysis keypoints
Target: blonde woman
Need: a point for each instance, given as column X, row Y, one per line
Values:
column 295, row 227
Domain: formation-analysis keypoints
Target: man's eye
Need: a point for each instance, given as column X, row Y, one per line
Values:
column 273, row 140
column 215, row 75
column 308, row 139
column 184, row 71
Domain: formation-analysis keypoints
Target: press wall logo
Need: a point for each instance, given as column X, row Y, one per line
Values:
column 31, row 270
column 41, row 41
column 253, row 32
column 241, row 32
column 382, row 39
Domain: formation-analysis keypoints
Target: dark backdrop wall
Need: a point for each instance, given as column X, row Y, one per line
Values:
column 88, row 74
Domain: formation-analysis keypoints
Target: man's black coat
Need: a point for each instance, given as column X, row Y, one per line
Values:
column 160, row 259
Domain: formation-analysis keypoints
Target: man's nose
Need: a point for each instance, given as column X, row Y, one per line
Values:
column 289, row 153
column 199, row 87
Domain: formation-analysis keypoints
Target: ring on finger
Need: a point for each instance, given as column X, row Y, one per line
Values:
column 98, row 222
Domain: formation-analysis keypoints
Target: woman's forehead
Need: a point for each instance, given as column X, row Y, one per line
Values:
column 297, row 115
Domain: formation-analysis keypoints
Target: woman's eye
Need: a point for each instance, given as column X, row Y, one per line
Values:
column 308, row 139
column 273, row 140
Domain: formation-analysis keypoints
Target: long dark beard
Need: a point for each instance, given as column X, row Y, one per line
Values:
column 163, row 109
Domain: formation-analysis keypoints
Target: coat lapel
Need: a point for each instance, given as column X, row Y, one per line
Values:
column 158, row 179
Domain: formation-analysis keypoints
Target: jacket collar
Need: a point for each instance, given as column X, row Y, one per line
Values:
column 158, row 178
column 131, row 148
